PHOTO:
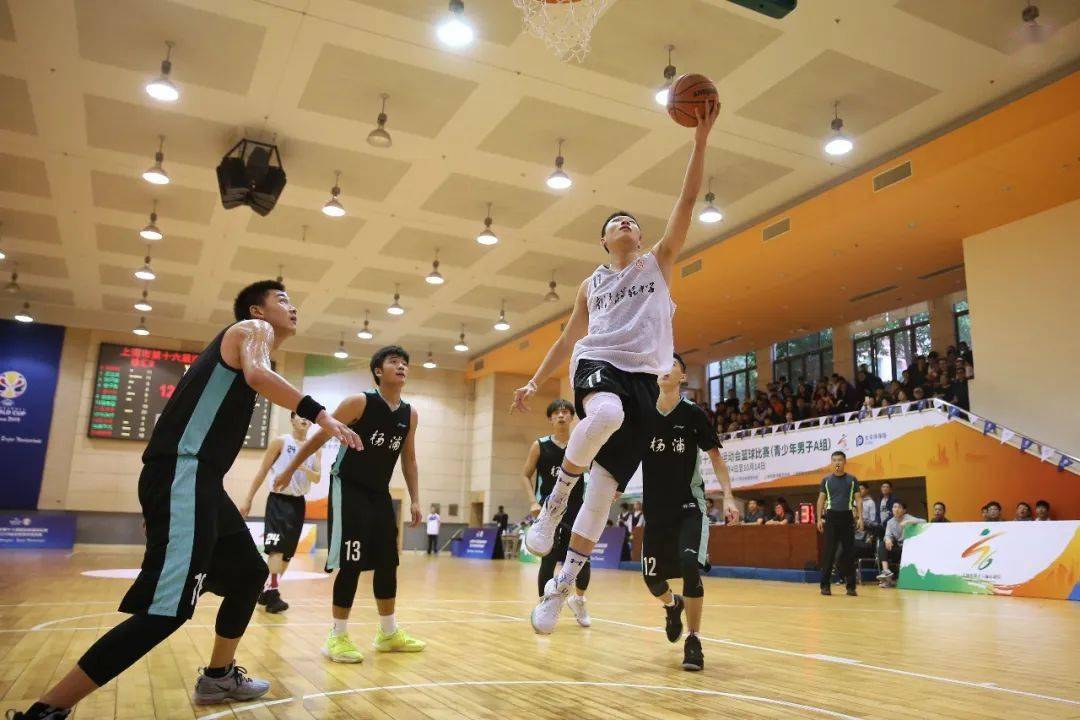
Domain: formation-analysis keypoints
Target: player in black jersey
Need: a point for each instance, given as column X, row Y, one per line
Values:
column 196, row 540
column 676, row 538
column 362, row 526
column 539, row 475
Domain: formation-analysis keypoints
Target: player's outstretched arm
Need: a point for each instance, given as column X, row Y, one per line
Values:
column 271, row 455
column 528, row 474
column 671, row 244
column 575, row 329
column 409, row 470
column 348, row 412
column 720, row 469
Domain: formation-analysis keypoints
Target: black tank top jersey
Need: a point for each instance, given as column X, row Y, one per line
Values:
column 547, row 468
column 208, row 414
column 383, row 431
column 671, row 469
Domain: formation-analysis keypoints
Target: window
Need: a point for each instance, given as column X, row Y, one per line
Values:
column 888, row 350
column 808, row 357
column 738, row 373
column 962, row 322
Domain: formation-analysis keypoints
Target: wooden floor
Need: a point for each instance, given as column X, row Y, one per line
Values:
column 772, row 650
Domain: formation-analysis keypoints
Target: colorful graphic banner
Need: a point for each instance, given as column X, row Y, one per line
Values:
column 475, row 543
column 1027, row 559
column 29, row 365
column 36, row 531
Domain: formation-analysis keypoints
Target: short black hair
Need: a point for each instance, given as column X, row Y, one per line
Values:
column 253, row 294
column 560, row 404
column 886, row 482
column 1024, row 504
column 993, row 503
column 864, row 485
column 901, row 503
column 1042, row 503
column 682, row 363
column 943, row 508
column 380, row 356
column 841, row 453
column 616, row 214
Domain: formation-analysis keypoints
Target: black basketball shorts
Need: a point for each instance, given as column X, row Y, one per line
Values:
column 664, row 544
column 283, row 524
column 362, row 527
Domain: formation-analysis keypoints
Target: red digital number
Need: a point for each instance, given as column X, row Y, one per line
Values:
column 166, row 390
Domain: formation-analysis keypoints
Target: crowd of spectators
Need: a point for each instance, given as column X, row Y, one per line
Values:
column 785, row 403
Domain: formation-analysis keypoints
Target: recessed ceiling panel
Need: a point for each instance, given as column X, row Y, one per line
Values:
column 18, row 114
column 133, row 194
column 466, row 197
column 23, row 175
column 303, row 225
column 734, row 175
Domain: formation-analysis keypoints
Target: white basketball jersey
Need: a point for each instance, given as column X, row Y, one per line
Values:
column 630, row 315
column 300, row 484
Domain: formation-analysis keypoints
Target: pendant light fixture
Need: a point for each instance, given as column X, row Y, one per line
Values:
column 341, row 353
column 379, row 137
column 12, row 287
column 3, row 255
column 146, row 273
column 430, row 363
column 460, row 346
column 486, row 236
column 559, row 180
column 143, row 304
column 838, row 143
column 156, row 174
column 162, row 87
column 710, row 214
column 552, row 296
column 365, row 332
column 435, row 277
column 454, row 31
column 24, row 315
column 395, row 307
column 501, row 324
column 333, row 206
column 661, row 96
column 151, row 231
column 141, row 328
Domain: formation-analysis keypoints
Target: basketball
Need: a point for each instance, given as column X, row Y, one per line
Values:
column 686, row 94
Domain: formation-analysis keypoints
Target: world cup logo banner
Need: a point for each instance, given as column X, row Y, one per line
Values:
column 12, row 384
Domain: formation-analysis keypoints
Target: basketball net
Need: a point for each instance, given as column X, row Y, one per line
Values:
column 565, row 26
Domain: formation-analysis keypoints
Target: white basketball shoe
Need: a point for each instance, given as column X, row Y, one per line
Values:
column 546, row 613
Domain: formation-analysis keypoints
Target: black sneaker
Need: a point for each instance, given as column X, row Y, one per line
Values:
column 263, row 596
column 852, row 592
column 274, row 603
column 693, row 658
column 826, row 590
column 38, row 711
column 673, row 623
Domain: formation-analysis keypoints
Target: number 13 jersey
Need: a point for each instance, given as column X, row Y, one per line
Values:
column 382, row 429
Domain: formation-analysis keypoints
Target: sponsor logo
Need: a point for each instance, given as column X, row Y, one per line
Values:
column 17, row 521
column 12, row 384
column 981, row 551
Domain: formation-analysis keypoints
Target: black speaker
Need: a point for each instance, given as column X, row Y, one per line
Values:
column 776, row 9
column 248, row 175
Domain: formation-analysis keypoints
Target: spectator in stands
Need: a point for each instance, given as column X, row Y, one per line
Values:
column 869, row 511
column 918, row 394
column 754, row 514
column 993, row 511
column 712, row 512
column 889, row 550
column 732, row 400
column 965, row 353
column 626, row 521
column 1023, row 511
column 1042, row 509
column 939, row 513
column 884, row 513
column 638, row 515
column 782, row 514
column 983, row 512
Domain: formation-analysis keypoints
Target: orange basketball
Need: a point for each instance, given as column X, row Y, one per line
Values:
column 690, row 92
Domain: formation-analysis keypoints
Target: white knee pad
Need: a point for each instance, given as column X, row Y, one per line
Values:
column 603, row 416
column 599, row 494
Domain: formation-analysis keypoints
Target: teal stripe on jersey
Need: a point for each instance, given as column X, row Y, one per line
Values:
column 697, row 487
column 703, row 544
column 174, row 572
column 333, row 555
column 340, row 456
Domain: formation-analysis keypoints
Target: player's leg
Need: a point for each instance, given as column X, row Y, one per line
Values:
column 381, row 554
column 694, row 543
column 576, row 602
column 828, row 554
column 658, row 558
column 847, row 553
column 344, row 523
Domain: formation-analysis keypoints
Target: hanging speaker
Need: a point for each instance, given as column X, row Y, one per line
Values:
column 251, row 174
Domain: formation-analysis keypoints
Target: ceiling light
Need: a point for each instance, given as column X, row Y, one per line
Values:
column 145, row 272
column 461, row 346
column 395, row 307
column 333, row 206
column 13, row 285
column 838, row 143
column 1030, row 13
column 156, row 175
column 501, row 324
column 486, row 236
column 435, row 277
column 280, row 277
column 24, row 315
column 142, row 304
column 162, row 88
column 365, row 332
column 141, row 328
column 559, row 180
column 341, row 353
column 430, row 363
column 152, row 231
column 669, row 75
column 552, row 296
column 3, row 255
column 710, row 214
column 454, row 31
column 379, row 137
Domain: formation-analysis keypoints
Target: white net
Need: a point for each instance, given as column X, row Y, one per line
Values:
column 565, row 26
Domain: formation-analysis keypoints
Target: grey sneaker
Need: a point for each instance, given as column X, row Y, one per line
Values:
column 236, row 685
column 546, row 613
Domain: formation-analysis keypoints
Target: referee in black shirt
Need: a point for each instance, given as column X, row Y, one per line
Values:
column 838, row 517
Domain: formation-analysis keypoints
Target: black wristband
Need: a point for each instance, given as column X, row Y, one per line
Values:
column 308, row 408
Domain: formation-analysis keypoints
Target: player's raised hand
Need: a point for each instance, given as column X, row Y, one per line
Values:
column 339, row 430
column 706, row 115
column 417, row 514
column 522, row 396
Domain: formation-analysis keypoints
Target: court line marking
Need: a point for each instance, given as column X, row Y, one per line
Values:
column 324, row 623
column 857, row 663
column 231, row 712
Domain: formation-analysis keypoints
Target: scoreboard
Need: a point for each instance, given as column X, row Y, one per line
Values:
column 132, row 385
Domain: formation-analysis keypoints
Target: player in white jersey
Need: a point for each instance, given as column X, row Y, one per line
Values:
column 285, row 506
column 621, row 340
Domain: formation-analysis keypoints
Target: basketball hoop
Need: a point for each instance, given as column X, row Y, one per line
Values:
column 565, row 26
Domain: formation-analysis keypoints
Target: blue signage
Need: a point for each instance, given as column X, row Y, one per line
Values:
column 29, row 365
column 35, row 531
column 608, row 549
column 476, row 543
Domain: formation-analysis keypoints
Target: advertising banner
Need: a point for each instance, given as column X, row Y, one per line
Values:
column 608, row 549
column 36, row 531
column 29, row 366
column 476, row 543
column 1028, row 559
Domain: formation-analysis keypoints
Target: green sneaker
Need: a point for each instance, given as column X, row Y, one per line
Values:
column 399, row 641
column 341, row 649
